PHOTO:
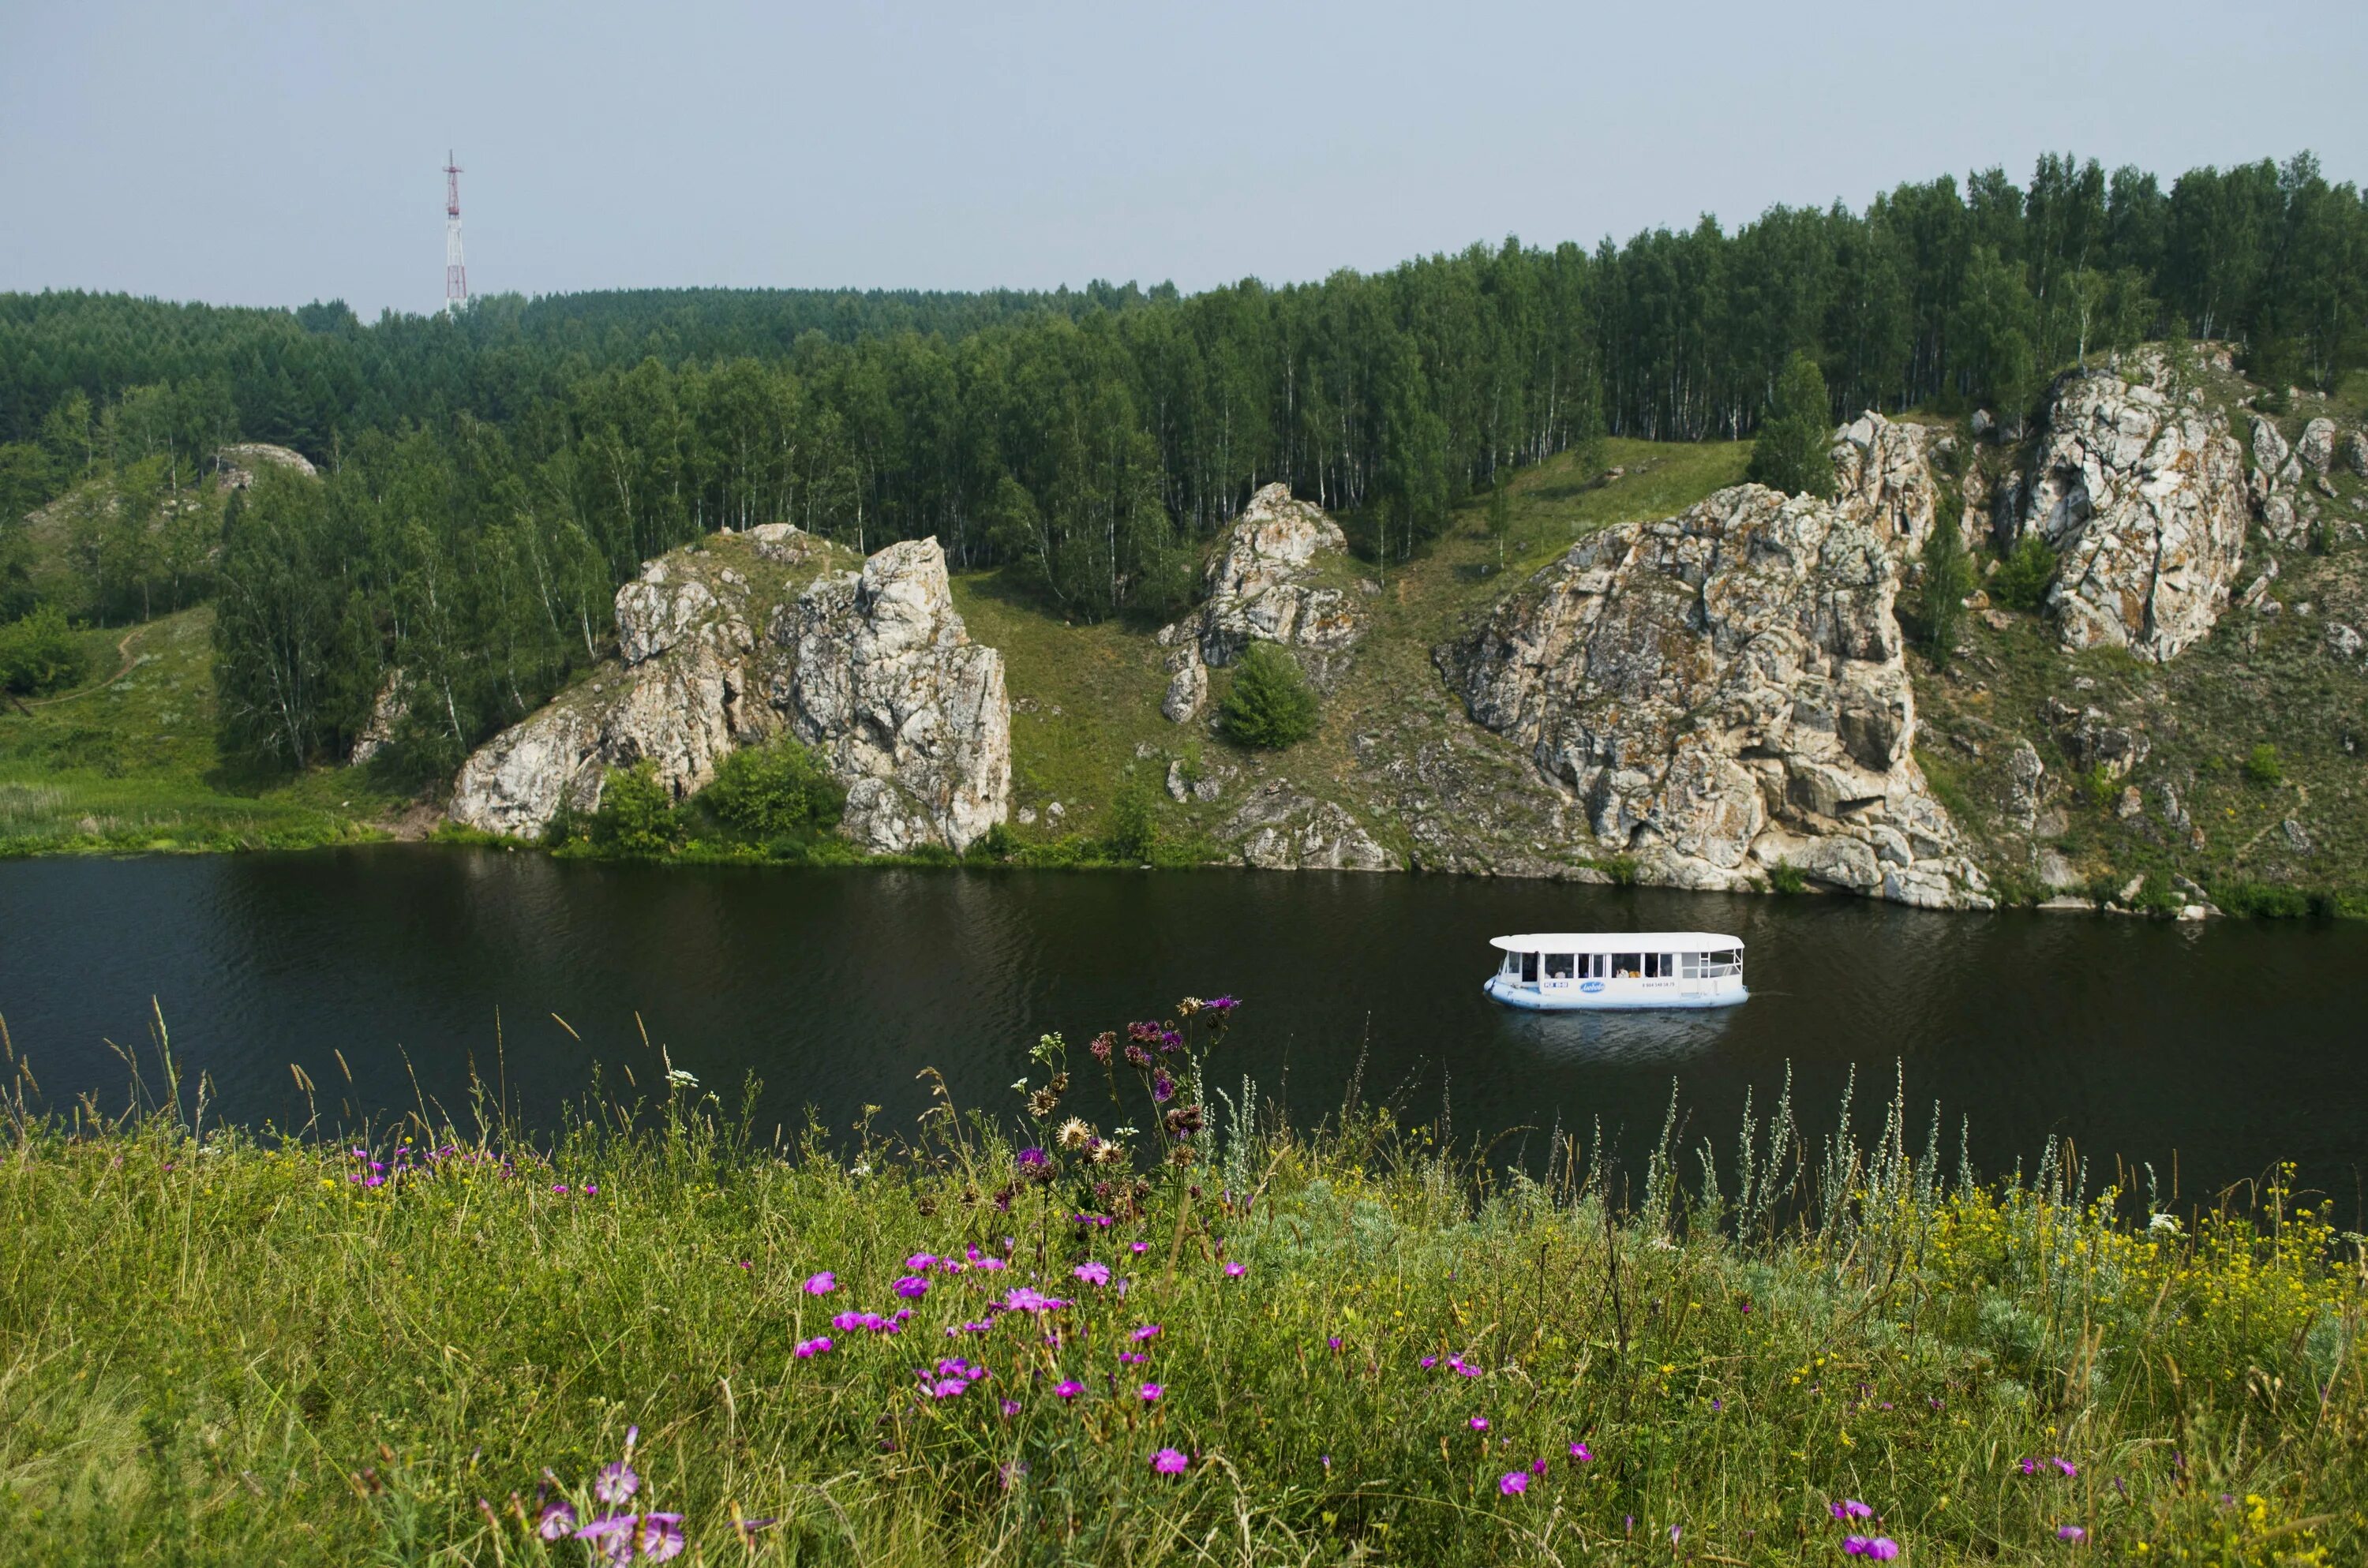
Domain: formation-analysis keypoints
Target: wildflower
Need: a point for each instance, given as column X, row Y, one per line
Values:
column 1184, row 1120
column 1131, row 1358
column 821, row 1284
column 1027, row 1298
column 1150, row 1393
column 1010, row 1407
column 1882, row 1547
column 1221, row 1006
column 1479, row 1423
column 921, row 1262
column 1074, row 1134
column 1068, row 1388
column 680, row 1079
column 807, row 1350
column 1428, row 1362
column 989, row 1264
column 1042, row 1103
column 1163, row 1089
column 1137, row 1057
column 2072, row 1533
column 1138, row 1248
column 1581, row 1452
column 1235, row 1270
column 557, row 1519
column 1852, row 1508
column 1333, row 1342
column 946, row 1388
column 591, row 1189
column 1537, row 1467
column 617, row 1482
column 1092, row 1273
column 912, row 1287
column 1101, row 1046
column 610, row 1538
column 1513, row 1482
column 1170, row 1040
column 1145, row 1330
column 559, row 1188
column 1035, row 1162
column 2067, row 1466
column 660, row 1537
column 1167, row 1461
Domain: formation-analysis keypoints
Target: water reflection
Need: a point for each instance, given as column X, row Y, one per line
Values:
column 1629, row 1039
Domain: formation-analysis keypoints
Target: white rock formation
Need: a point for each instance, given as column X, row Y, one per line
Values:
column 2140, row 489
column 1281, row 830
column 2315, row 450
column 1258, row 591
column 909, row 713
column 1886, row 470
column 1724, row 691
column 873, row 669
column 236, row 463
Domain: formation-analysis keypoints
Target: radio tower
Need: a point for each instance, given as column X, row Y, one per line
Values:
column 456, row 275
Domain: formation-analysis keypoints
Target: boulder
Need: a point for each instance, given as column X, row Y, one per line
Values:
column 2316, row 448
column 2139, row 489
column 1281, row 830
column 388, row 709
column 1188, row 689
column 2355, row 452
column 2025, row 773
column 873, row 669
column 1262, row 587
column 1724, row 691
column 235, row 465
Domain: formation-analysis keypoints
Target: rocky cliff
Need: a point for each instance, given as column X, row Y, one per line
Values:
column 1722, row 692
column 1266, row 584
column 728, row 642
column 2139, row 487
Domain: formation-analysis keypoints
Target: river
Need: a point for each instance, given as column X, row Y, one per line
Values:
column 2214, row 1051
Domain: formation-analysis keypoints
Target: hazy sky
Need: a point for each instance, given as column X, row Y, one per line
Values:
column 269, row 153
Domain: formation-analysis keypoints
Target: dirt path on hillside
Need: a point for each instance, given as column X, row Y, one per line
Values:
column 122, row 650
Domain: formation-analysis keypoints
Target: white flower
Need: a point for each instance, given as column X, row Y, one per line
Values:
column 1021, row 1085
column 681, row 1079
column 2165, row 1224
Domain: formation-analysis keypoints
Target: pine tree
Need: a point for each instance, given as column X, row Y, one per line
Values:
column 1270, row 705
column 1793, row 453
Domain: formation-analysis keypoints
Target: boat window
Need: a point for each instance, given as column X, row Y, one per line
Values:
column 1690, row 966
column 1627, row 966
column 1601, row 965
column 1558, row 966
column 1511, row 964
column 1668, row 966
column 1529, row 968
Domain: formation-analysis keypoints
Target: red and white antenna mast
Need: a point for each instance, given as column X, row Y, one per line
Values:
column 456, row 274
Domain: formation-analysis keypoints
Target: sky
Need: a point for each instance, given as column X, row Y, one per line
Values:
column 254, row 153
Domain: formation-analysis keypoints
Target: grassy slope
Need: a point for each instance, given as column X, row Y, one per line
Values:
column 232, row 1353
column 128, row 760
column 1086, row 717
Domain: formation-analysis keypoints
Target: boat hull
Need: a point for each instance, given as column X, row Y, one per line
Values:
column 1606, row 1000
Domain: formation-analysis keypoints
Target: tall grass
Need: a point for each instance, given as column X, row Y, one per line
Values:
column 416, row 1344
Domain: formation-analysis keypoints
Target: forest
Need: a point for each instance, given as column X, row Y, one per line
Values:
column 488, row 478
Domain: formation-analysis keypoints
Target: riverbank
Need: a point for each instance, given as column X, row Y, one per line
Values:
column 909, row 1346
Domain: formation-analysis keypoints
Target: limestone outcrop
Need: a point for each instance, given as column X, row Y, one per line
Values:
column 236, row 463
column 1722, row 692
column 2140, row 489
column 1265, row 587
column 730, row 642
column 1884, row 470
column 1281, row 830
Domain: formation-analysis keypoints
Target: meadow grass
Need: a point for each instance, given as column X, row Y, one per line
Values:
column 428, row 1343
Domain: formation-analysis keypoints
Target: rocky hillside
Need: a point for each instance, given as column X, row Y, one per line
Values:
column 1658, row 674
column 731, row 642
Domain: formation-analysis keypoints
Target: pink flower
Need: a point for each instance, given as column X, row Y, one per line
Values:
column 1479, row 1423
column 1167, row 1461
column 1513, row 1482
column 1068, row 1388
column 807, row 1350
column 1150, row 1393
column 1092, row 1273
column 1235, row 1270
column 1882, row 1547
column 821, row 1284
column 2072, row 1533
column 1852, row 1508
column 1581, row 1452
column 1143, row 1331
column 1139, row 1248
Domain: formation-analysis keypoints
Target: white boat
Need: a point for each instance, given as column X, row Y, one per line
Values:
column 1570, row 972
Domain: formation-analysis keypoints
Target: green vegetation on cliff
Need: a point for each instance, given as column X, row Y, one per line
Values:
column 430, row 1345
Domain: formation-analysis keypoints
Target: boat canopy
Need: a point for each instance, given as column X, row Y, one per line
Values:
column 1615, row 942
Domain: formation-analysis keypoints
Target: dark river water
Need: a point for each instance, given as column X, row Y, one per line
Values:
column 2217, row 1050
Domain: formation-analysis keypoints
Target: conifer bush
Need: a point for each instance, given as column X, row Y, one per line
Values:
column 1793, row 453
column 1271, row 705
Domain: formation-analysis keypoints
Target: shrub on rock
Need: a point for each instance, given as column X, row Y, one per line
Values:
column 1271, row 705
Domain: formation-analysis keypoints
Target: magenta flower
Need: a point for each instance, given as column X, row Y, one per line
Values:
column 1235, row 1270
column 1027, row 1298
column 807, row 1350
column 1163, row 1089
column 1852, row 1508
column 1131, row 1358
column 1139, row 1248
column 1092, row 1273
column 1010, row 1407
column 2072, row 1533
column 912, row 1287
column 1068, row 1388
column 1513, row 1482
column 990, row 1264
column 1581, row 1452
column 1033, row 1159
column 1150, row 1393
column 921, row 1262
column 559, row 1188
column 557, row 1519
column 660, row 1537
column 2067, row 1466
column 1537, row 1467
column 1332, row 1342
column 1479, row 1423
column 1145, row 1330
column 821, row 1284
column 1221, row 1006
column 1428, row 1362
column 610, row 1538
column 1167, row 1461
column 617, row 1482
